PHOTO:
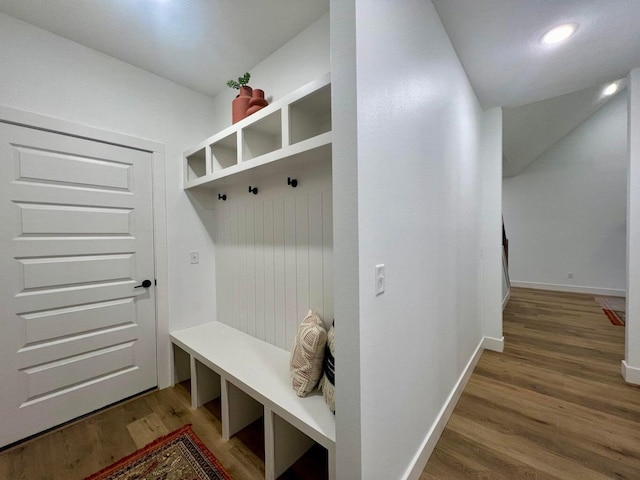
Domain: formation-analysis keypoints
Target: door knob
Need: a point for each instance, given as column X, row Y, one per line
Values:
column 144, row 284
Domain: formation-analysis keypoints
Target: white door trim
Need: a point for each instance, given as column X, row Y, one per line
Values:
column 64, row 127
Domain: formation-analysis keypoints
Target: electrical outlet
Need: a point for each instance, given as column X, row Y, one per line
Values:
column 570, row 275
column 195, row 256
column 380, row 279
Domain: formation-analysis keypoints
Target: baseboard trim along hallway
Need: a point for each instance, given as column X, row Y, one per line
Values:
column 431, row 440
column 630, row 374
column 570, row 288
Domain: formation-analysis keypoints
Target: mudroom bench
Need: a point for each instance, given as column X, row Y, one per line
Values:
column 251, row 377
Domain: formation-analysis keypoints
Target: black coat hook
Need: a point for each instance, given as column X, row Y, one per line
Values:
column 253, row 190
column 292, row 181
column 222, row 197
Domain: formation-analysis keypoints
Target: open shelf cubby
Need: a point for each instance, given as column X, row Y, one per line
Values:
column 196, row 164
column 263, row 136
column 293, row 129
column 311, row 115
column 224, row 152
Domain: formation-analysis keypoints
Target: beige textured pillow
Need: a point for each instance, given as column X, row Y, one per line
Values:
column 307, row 354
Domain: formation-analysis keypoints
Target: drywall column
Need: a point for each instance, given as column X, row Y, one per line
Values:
column 345, row 239
column 407, row 129
column 631, row 363
column 490, row 163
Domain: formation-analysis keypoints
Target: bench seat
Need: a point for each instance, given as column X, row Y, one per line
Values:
column 247, row 366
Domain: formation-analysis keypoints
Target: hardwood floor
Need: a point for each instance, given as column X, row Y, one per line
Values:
column 552, row 406
column 76, row 451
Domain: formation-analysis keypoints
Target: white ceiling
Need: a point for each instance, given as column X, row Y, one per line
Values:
column 203, row 43
column 530, row 130
column 197, row 43
column 498, row 42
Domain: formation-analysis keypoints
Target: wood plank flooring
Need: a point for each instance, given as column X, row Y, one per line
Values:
column 552, row 406
column 75, row 451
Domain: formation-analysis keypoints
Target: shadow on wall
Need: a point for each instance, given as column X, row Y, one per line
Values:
column 566, row 209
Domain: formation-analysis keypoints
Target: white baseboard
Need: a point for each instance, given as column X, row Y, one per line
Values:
column 429, row 443
column 630, row 374
column 570, row 288
column 493, row 344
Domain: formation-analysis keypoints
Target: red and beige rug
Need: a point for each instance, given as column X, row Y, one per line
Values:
column 613, row 308
column 179, row 455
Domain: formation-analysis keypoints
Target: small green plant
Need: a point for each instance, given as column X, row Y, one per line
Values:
column 241, row 82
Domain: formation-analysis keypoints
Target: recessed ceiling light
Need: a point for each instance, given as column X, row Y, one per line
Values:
column 559, row 34
column 610, row 89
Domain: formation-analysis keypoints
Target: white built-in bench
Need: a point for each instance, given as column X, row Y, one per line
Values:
column 252, row 379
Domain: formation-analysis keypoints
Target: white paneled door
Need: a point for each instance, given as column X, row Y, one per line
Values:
column 76, row 241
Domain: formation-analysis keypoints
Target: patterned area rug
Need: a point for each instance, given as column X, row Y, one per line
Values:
column 179, row 455
column 614, row 308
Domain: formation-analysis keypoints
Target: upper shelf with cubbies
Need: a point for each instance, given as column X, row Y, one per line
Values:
column 294, row 129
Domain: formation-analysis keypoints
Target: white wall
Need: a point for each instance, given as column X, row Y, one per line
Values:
column 346, row 298
column 566, row 211
column 300, row 61
column 46, row 74
column 418, row 211
column 631, row 364
column 491, row 293
column 530, row 130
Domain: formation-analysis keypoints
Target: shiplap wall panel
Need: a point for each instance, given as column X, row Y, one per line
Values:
column 327, row 259
column 290, row 271
column 251, row 270
column 243, row 324
column 302, row 261
column 259, row 262
column 316, row 284
column 220, row 241
column 233, row 269
column 274, row 262
column 269, row 275
column 279, row 256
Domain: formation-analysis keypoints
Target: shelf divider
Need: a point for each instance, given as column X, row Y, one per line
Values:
column 255, row 142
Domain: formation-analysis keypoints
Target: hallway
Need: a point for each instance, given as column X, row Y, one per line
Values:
column 552, row 406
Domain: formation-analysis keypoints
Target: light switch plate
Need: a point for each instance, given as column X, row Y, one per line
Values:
column 195, row 256
column 380, row 279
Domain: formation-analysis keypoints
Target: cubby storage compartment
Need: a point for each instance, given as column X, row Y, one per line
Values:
column 311, row 115
column 224, row 152
column 293, row 130
column 181, row 364
column 263, row 136
column 252, row 379
column 196, row 165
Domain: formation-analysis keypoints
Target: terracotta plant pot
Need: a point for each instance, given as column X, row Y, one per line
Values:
column 240, row 104
column 257, row 101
